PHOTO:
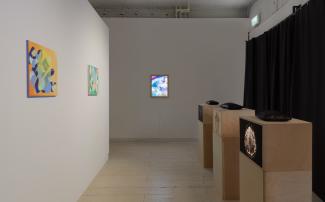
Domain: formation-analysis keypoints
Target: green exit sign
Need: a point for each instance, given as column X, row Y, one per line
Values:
column 256, row 20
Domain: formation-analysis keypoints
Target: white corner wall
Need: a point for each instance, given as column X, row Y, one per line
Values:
column 51, row 148
column 205, row 59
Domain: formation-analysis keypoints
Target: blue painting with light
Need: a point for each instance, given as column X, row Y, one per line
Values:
column 159, row 85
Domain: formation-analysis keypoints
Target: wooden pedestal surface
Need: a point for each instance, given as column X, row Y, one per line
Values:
column 226, row 150
column 205, row 136
column 284, row 173
column 205, row 145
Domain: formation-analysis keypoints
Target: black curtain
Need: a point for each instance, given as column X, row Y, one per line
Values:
column 285, row 71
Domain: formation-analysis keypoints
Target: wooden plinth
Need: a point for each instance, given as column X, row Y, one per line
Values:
column 205, row 145
column 225, row 151
column 281, row 169
column 205, row 135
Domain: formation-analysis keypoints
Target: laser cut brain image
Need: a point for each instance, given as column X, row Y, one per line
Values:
column 250, row 142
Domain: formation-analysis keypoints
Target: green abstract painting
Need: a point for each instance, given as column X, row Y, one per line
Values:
column 93, row 81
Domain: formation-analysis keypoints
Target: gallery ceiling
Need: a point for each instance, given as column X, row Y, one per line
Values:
column 226, row 8
column 170, row 3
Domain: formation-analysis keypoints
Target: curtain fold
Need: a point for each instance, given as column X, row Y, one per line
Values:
column 285, row 71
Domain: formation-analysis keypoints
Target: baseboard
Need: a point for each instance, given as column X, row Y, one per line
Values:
column 153, row 140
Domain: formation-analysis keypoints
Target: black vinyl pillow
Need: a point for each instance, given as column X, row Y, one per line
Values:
column 231, row 106
column 212, row 102
column 273, row 116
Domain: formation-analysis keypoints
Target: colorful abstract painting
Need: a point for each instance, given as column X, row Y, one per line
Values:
column 159, row 86
column 93, row 81
column 42, row 71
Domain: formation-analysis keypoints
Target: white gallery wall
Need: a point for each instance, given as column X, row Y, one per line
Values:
column 204, row 58
column 51, row 148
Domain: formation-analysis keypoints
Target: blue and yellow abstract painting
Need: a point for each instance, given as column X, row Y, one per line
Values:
column 42, row 71
column 159, row 86
column 93, row 81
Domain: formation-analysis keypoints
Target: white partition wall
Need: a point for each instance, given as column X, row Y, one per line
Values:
column 51, row 148
column 204, row 58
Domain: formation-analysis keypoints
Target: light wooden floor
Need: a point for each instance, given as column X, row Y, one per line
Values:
column 152, row 172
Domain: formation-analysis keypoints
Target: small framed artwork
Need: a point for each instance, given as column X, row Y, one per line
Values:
column 159, row 86
column 42, row 71
column 93, row 81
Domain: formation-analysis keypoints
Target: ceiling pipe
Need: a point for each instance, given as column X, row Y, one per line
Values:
column 181, row 12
